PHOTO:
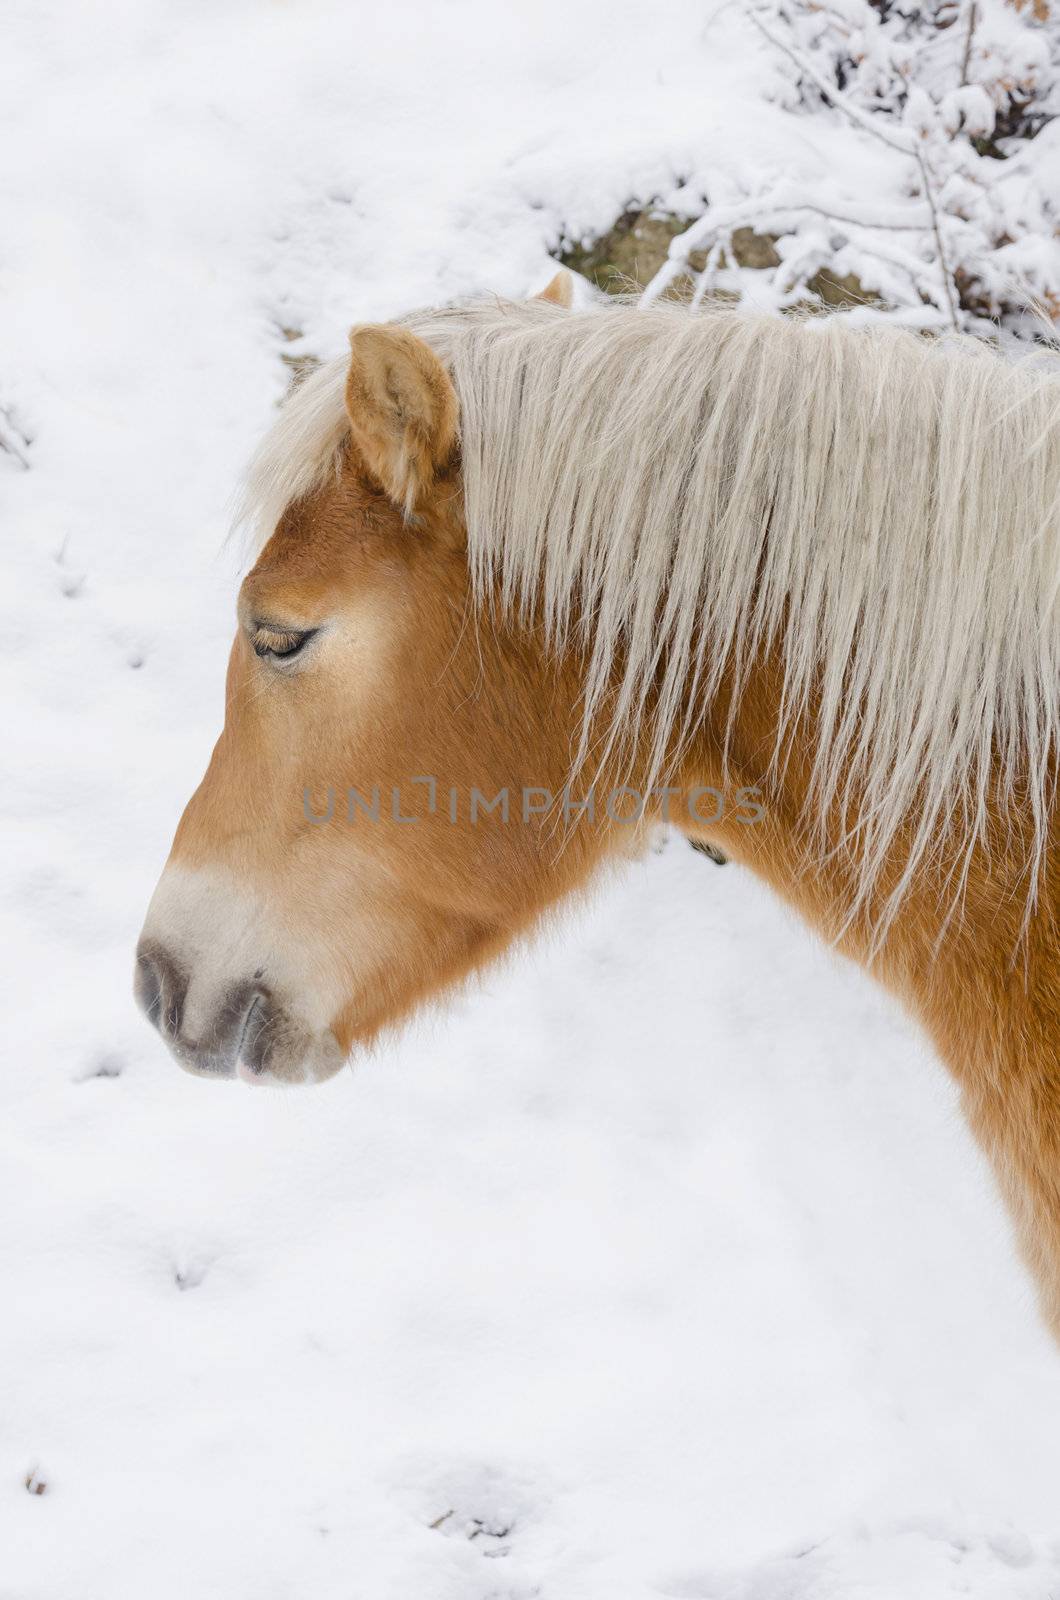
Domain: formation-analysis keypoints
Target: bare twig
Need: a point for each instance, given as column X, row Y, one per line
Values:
column 947, row 275
column 973, row 18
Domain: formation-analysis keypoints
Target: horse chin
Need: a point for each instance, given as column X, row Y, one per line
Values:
column 320, row 1059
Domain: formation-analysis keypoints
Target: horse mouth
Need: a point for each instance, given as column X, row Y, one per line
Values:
column 275, row 1050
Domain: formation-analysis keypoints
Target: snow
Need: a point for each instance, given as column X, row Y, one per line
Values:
column 661, row 1265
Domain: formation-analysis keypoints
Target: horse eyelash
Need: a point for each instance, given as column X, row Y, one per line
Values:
column 279, row 643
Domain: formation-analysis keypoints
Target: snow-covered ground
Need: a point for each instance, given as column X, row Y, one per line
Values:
column 660, row 1266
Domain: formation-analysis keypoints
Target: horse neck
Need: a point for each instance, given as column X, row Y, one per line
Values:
column 981, row 977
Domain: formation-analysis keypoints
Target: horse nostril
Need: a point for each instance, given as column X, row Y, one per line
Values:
column 160, row 987
column 148, row 988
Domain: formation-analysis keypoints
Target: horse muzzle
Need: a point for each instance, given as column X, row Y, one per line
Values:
column 217, row 1019
column 246, row 1033
column 233, row 1039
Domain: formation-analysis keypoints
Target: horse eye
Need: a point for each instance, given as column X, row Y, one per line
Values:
column 280, row 645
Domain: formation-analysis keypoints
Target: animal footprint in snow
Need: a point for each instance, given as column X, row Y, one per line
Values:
column 493, row 1532
column 108, row 1064
column 71, row 579
column 15, row 439
column 482, row 1505
column 190, row 1273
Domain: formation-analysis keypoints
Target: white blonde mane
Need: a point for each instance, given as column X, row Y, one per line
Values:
column 691, row 488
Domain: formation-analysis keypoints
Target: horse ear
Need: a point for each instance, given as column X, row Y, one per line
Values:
column 559, row 291
column 403, row 411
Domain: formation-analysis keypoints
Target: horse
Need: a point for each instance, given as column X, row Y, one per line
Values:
column 530, row 581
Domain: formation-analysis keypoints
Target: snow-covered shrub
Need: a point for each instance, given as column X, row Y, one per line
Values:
column 963, row 95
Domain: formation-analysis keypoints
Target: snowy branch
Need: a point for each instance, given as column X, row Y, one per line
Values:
column 956, row 98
